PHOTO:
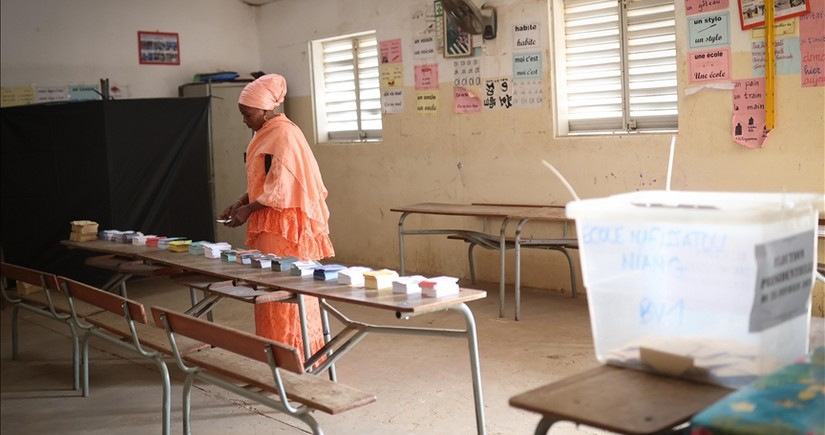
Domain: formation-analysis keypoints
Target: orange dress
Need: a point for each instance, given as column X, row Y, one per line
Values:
column 294, row 222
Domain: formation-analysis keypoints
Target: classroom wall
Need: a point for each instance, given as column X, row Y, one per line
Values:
column 79, row 42
column 493, row 156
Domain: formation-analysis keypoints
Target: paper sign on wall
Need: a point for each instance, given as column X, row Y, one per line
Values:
column 426, row 76
column 526, row 36
column 467, row 72
column 498, row 93
column 528, row 93
column 709, row 30
column 709, row 65
column 426, row 103
column 812, row 45
column 424, row 47
column 392, row 100
column 465, row 101
column 700, row 6
column 748, row 121
column 786, row 57
column 392, row 76
column 390, row 51
column 526, row 66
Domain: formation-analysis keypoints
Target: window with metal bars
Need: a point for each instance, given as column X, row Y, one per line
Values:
column 616, row 66
column 347, row 91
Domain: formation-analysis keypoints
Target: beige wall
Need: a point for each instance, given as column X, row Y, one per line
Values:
column 492, row 156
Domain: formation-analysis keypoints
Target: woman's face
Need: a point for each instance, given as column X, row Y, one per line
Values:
column 252, row 117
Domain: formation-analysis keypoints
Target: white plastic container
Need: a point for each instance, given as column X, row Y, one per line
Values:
column 712, row 286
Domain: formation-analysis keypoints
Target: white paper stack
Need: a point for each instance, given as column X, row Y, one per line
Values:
column 304, row 268
column 379, row 279
column 213, row 250
column 353, row 276
column 407, row 285
column 140, row 240
column 439, row 286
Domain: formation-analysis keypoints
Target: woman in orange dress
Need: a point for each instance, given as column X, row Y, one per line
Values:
column 285, row 204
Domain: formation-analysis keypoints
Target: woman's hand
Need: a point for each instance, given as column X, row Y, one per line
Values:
column 230, row 212
column 239, row 216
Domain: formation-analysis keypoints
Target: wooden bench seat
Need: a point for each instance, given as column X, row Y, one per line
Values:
column 216, row 289
column 268, row 367
column 47, row 302
column 123, row 322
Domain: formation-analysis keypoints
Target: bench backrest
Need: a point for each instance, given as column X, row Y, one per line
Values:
column 233, row 340
column 28, row 276
column 103, row 299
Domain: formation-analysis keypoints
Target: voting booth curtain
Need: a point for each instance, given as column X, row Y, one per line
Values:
column 138, row 165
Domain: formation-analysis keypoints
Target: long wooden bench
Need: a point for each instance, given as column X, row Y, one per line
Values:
column 124, row 323
column 261, row 366
column 126, row 267
column 47, row 302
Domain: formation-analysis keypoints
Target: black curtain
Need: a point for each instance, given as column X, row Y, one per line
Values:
column 138, row 165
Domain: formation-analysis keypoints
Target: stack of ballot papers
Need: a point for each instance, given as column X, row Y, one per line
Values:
column 263, row 261
column 379, row 279
column 196, row 248
column 407, row 285
column 353, row 276
column 327, row 272
column 164, row 242
column 154, row 242
column 229, row 255
column 83, row 231
column 439, row 286
column 283, row 264
column 213, row 250
column 179, row 245
column 140, row 239
column 245, row 256
column 304, row 268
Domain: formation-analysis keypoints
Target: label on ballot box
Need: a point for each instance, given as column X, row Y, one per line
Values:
column 712, row 286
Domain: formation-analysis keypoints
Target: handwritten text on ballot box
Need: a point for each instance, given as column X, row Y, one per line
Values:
column 721, row 278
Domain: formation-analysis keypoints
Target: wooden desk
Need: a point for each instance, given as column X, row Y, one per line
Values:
column 619, row 400
column 354, row 331
column 507, row 213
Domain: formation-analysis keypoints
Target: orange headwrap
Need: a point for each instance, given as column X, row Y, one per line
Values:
column 266, row 92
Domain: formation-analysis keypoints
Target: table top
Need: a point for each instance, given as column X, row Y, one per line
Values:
column 621, row 400
column 478, row 210
column 267, row 278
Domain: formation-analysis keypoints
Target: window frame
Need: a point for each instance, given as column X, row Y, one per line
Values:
column 319, row 94
column 667, row 123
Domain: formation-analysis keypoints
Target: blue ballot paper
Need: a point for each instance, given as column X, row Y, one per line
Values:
column 328, row 272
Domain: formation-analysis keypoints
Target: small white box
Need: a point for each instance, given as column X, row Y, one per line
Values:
column 720, row 281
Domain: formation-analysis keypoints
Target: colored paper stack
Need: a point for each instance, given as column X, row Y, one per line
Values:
column 164, row 242
column 229, row 255
column 283, row 264
column 303, row 268
column 407, row 285
column 439, row 286
column 328, row 272
column 245, row 256
column 179, row 245
column 196, row 248
column 83, row 231
column 353, row 276
column 379, row 279
column 213, row 250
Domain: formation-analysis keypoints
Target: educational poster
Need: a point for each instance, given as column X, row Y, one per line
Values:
column 426, row 76
column 498, row 93
column 426, row 103
column 752, row 12
column 465, row 101
column 424, row 47
column 786, row 56
column 17, row 96
column 392, row 100
column 748, row 121
column 526, row 66
column 49, row 94
column 526, row 37
column 812, row 45
column 709, row 30
column 709, row 65
column 84, row 92
column 787, row 27
column 528, row 94
column 467, row 72
column 390, row 51
column 701, row 6
column 392, row 76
